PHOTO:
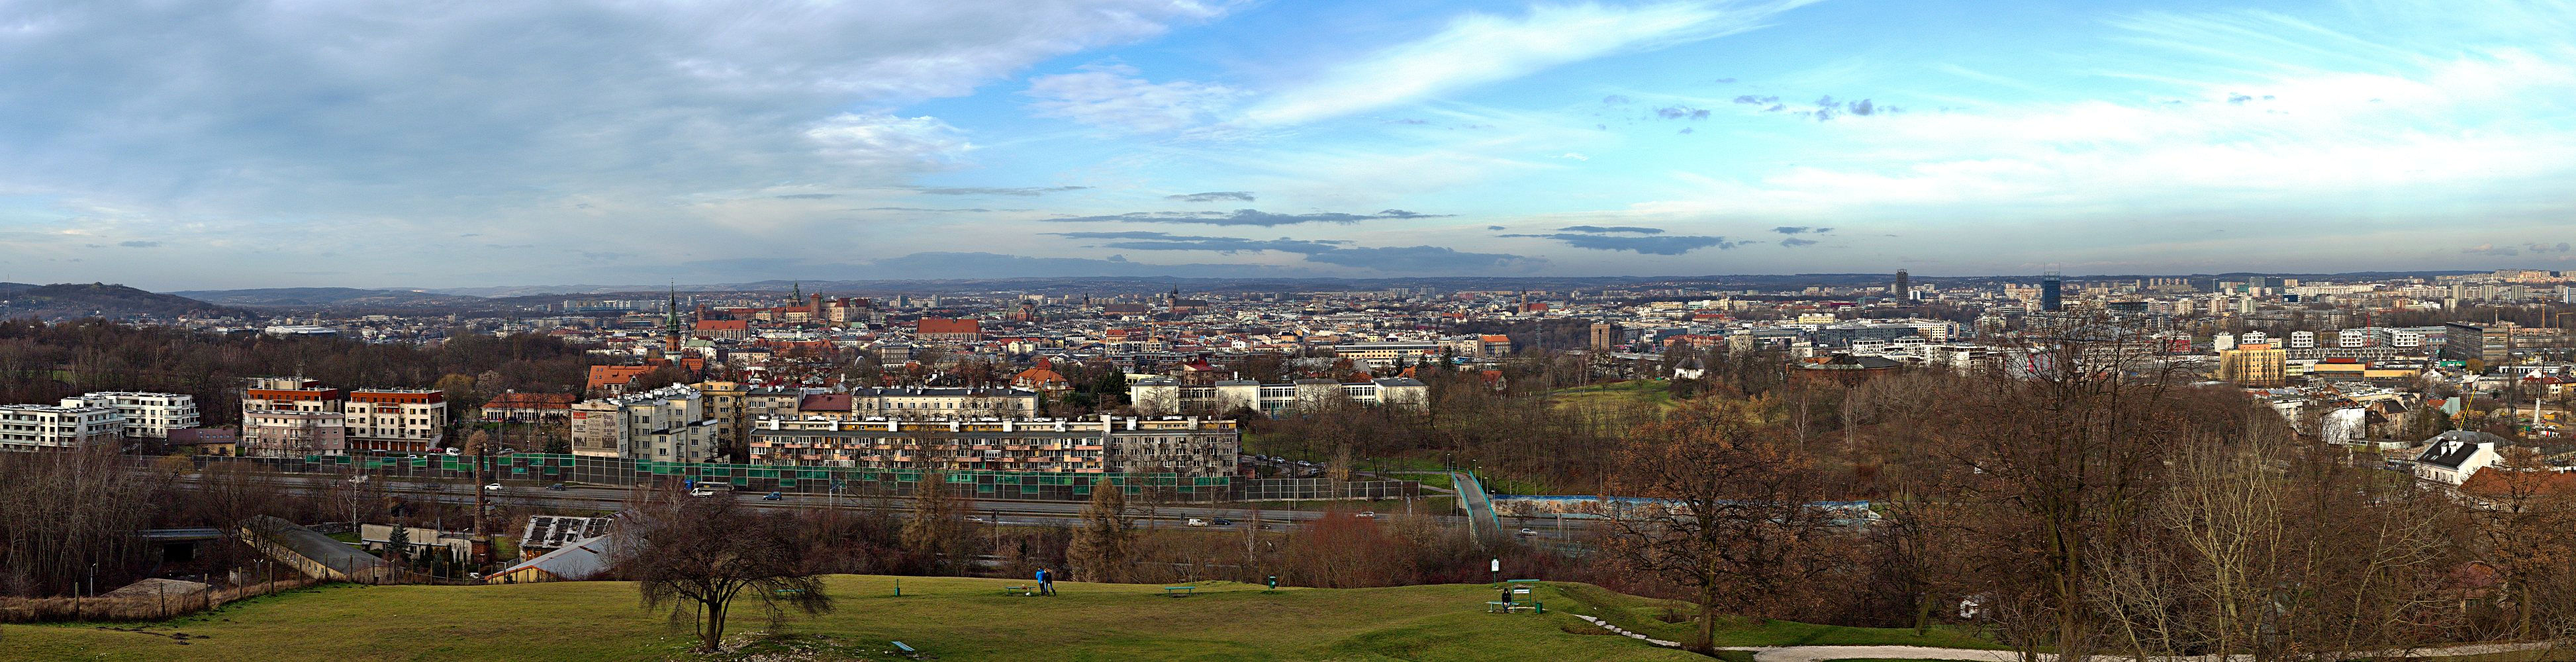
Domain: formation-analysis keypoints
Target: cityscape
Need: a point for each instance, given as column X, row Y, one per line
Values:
column 1065, row 330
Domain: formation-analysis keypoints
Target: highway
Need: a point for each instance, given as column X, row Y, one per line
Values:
column 576, row 497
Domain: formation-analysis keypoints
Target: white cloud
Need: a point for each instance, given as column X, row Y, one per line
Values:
column 884, row 140
column 1114, row 97
column 1482, row 48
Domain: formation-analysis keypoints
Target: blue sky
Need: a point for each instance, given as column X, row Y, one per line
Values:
column 393, row 144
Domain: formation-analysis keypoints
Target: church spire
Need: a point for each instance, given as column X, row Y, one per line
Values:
column 671, row 322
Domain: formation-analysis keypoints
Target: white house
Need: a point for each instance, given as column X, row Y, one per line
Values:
column 2456, row 455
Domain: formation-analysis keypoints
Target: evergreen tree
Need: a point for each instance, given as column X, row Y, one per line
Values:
column 1106, row 540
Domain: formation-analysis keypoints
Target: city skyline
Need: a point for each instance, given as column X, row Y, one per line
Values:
column 275, row 145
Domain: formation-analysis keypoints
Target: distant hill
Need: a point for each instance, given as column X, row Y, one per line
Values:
column 77, row 300
column 307, row 297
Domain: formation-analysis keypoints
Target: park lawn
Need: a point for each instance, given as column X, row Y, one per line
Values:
column 1644, row 615
column 950, row 618
column 1655, row 392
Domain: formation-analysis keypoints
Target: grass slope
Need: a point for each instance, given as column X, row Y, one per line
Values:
column 950, row 618
column 1655, row 393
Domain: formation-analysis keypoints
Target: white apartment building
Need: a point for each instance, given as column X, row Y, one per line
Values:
column 47, row 428
column 668, row 424
column 2352, row 338
column 2405, row 338
column 1163, row 395
column 151, row 415
column 409, row 420
column 2303, row 340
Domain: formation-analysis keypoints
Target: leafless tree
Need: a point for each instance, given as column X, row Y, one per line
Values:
column 699, row 556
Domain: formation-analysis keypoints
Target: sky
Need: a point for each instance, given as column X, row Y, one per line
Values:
column 429, row 144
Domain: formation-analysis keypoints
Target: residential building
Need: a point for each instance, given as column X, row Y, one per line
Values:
column 2490, row 343
column 1192, row 447
column 2456, row 455
column 668, row 424
column 147, row 415
column 2257, row 365
column 529, row 407
column 290, row 433
column 1381, row 355
column 1164, row 395
column 402, row 420
column 51, row 428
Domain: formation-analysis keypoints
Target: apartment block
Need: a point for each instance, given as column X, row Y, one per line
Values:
column 1164, row 395
column 50, row 428
column 147, row 415
column 289, row 433
column 1192, row 447
column 668, row 424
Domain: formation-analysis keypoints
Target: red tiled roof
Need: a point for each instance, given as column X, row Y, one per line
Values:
column 824, row 402
column 937, row 325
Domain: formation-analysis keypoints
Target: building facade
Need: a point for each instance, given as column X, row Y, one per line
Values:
column 147, row 415
column 48, row 428
column 668, row 424
column 1191, row 447
column 1166, row 396
column 402, row 420
column 289, row 433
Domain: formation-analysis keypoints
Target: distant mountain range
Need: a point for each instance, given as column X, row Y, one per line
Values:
column 321, row 297
column 78, row 300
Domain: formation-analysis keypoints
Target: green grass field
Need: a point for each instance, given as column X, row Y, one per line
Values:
column 950, row 618
column 1655, row 392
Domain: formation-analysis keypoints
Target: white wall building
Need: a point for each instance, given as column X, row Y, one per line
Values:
column 151, row 415
column 48, row 428
column 1163, row 395
column 668, row 424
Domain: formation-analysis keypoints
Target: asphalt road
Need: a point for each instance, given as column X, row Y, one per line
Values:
column 580, row 497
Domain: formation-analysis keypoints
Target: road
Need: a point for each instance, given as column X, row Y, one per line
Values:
column 580, row 497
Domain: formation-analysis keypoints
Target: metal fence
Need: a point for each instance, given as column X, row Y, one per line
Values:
column 554, row 468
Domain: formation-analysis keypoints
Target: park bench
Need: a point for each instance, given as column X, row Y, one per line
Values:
column 1178, row 591
column 907, row 650
column 1509, row 607
column 1023, row 590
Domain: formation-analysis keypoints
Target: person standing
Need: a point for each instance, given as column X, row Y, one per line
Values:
column 1046, row 582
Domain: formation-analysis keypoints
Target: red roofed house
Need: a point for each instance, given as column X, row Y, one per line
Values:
column 949, row 330
column 613, row 378
column 1042, row 378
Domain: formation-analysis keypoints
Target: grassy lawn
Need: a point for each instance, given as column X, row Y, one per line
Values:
column 1654, row 392
column 1645, row 615
column 950, row 618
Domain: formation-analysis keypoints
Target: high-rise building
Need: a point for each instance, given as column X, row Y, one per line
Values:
column 2049, row 296
column 2490, row 343
column 1903, row 286
column 2254, row 365
column 1604, row 334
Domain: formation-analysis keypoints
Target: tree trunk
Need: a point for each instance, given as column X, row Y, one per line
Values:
column 1706, row 641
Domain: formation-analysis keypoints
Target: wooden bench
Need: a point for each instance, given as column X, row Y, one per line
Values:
column 1509, row 607
column 1178, row 591
column 907, row 650
column 1023, row 590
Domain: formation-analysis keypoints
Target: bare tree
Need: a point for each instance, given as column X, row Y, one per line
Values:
column 1729, row 514
column 699, row 556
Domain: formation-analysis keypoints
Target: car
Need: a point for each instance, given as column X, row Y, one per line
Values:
column 1195, row 522
column 495, row 487
column 702, row 492
column 979, row 519
column 773, row 496
column 1221, row 522
column 1527, row 532
column 1367, row 513
column 557, row 487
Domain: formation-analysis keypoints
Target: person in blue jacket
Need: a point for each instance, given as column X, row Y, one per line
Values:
column 1046, row 582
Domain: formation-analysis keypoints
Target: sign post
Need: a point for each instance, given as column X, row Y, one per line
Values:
column 1494, row 572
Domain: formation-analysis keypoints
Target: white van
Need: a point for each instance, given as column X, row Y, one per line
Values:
column 1197, row 522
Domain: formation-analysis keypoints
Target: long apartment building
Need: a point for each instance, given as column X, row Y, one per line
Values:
column 1164, row 395
column 147, row 415
column 49, row 428
column 1192, row 447
column 403, row 420
column 668, row 424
